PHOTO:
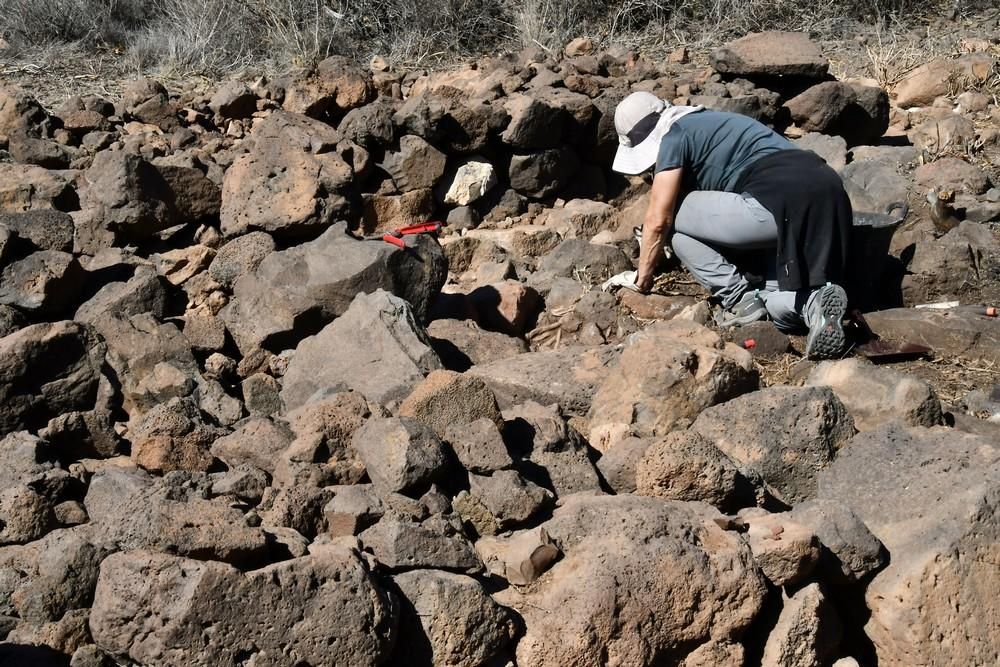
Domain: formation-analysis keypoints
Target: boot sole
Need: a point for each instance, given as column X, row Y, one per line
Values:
column 827, row 340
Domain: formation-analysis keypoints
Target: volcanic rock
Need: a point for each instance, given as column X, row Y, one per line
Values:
column 134, row 511
column 30, row 188
column 662, row 382
column 337, row 85
column 501, row 501
column 478, row 445
column 937, row 77
column 293, row 184
column 808, row 631
column 784, row 434
column 449, row 619
column 322, row 452
column 771, row 54
column 47, row 370
column 850, row 552
column 42, row 152
column 147, row 100
column 402, row 544
column 376, row 347
column 43, row 229
column 383, row 213
column 46, row 282
column 295, row 292
column 460, row 344
column 144, row 292
column 416, row 165
column 352, row 509
column 275, row 614
column 130, row 199
column 874, row 395
column 960, row 334
column 239, row 256
column 257, row 441
column 445, row 399
column 233, row 100
column 686, row 466
column 589, row 262
column 568, row 377
column 19, row 111
column 152, row 361
column 543, row 174
column 930, row 496
column 171, row 436
column 785, row 551
column 400, row 454
column 653, row 539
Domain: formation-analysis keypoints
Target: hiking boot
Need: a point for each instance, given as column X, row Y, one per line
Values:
column 824, row 316
column 748, row 309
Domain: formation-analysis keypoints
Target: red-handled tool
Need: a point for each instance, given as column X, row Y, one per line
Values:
column 395, row 237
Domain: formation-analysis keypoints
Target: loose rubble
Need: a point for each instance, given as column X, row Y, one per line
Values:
column 241, row 426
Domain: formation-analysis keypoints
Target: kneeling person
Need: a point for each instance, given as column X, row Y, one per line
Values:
column 725, row 185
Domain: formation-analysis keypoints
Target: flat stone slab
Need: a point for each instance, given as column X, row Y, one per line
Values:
column 568, row 376
column 771, row 54
column 959, row 332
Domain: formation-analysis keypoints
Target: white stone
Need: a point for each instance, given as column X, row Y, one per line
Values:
column 472, row 180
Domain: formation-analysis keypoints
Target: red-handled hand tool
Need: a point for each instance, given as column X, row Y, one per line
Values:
column 395, row 237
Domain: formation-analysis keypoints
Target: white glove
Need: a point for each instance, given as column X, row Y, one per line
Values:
column 626, row 279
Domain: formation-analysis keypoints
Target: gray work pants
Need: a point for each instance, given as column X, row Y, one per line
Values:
column 710, row 223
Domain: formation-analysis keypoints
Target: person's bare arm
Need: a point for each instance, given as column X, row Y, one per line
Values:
column 658, row 224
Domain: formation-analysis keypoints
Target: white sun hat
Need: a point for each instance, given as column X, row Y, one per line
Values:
column 641, row 120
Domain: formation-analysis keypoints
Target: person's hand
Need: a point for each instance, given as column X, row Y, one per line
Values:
column 625, row 279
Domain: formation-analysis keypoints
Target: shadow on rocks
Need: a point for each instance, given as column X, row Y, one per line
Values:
column 36, row 656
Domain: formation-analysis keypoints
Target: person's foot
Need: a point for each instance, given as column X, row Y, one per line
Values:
column 748, row 309
column 824, row 316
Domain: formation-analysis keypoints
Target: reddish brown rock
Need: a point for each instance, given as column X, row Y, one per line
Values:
column 445, row 399
column 29, row 188
column 654, row 602
column 335, row 87
column 293, row 184
column 281, row 610
column 383, row 213
column 19, row 112
column 668, row 374
column 509, row 307
column 952, row 173
column 938, row 77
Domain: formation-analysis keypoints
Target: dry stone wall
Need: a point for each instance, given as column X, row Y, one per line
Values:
column 237, row 427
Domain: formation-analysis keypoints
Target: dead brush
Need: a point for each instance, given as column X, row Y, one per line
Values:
column 218, row 37
column 890, row 58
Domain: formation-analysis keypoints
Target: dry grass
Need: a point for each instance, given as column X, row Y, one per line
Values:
column 952, row 378
column 222, row 36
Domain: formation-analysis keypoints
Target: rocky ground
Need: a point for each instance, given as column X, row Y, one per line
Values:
column 235, row 432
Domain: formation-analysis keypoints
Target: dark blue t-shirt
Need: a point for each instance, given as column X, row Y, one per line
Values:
column 714, row 147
